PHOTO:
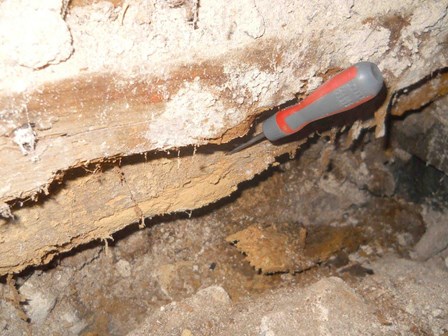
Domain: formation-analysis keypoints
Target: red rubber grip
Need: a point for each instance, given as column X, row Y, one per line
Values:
column 334, row 83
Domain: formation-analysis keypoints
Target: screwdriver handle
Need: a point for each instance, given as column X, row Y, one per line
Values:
column 348, row 89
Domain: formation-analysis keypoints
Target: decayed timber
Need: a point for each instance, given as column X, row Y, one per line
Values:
column 66, row 117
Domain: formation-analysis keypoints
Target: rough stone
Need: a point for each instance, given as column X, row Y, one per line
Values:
column 421, row 289
column 201, row 310
column 426, row 134
column 435, row 239
column 39, row 304
column 10, row 321
column 329, row 306
column 124, row 268
column 367, row 169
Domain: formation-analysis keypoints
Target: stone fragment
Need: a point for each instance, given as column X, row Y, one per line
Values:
column 426, row 134
column 201, row 311
column 39, row 303
column 328, row 307
column 124, row 268
column 435, row 239
column 10, row 322
column 412, row 293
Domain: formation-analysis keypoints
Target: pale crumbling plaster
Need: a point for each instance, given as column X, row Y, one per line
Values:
column 150, row 37
column 33, row 34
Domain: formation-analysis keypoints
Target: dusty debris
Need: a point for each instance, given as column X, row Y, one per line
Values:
column 26, row 138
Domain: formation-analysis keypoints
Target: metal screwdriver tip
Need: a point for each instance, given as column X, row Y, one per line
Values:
column 252, row 141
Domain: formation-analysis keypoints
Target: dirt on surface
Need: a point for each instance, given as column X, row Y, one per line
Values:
column 354, row 214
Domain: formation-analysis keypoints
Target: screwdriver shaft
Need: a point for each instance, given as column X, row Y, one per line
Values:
column 249, row 143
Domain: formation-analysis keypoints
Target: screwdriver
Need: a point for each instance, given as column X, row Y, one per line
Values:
column 345, row 91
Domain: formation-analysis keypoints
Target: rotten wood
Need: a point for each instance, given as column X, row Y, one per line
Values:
column 90, row 169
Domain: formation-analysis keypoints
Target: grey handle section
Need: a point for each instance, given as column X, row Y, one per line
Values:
column 348, row 89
